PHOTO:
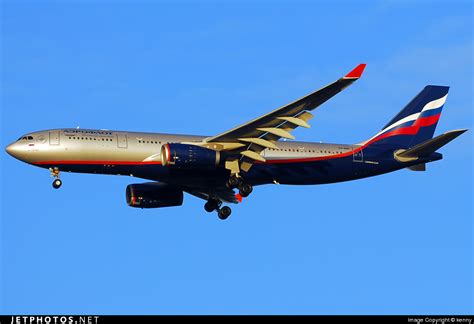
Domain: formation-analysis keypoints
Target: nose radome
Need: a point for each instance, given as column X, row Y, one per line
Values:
column 14, row 150
column 10, row 149
column 18, row 151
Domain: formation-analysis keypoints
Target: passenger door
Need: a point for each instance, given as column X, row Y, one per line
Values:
column 122, row 141
column 54, row 138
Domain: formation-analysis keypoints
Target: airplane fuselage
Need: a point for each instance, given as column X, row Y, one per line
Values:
column 137, row 154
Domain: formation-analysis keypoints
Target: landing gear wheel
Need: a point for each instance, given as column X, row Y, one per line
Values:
column 245, row 190
column 57, row 183
column 211, row 205
column 55, row 173
column 233, row 182
column 224, row 212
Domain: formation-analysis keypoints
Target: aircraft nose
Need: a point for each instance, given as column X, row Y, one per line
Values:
column 11, row 149
column 15, row 150
column 19, row 151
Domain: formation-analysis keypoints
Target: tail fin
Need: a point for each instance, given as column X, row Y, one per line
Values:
column 416, row 122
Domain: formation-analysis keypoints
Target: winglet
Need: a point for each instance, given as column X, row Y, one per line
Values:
column 357, row 72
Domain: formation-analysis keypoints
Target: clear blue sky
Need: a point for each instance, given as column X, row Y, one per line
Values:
column 399, row 243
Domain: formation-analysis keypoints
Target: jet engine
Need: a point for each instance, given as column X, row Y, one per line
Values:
column 153, row 195
column 184, row 156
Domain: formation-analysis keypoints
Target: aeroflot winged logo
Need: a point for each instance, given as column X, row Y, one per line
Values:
column 225, row 168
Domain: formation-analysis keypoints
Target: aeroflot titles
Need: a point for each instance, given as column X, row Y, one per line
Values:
column 81, row 131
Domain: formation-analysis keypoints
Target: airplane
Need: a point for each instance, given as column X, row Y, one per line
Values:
column 213, row 167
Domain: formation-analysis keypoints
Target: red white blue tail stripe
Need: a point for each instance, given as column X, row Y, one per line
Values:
column 417, row 121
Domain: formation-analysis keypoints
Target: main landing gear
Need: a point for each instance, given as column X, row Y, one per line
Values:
column 215, row 205
column 57, row 183
column 235, row 181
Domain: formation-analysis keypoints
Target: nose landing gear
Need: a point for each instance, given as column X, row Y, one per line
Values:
column 57, row 183
column 215, row 205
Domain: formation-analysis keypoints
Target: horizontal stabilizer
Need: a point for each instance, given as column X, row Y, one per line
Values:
column 430, row 146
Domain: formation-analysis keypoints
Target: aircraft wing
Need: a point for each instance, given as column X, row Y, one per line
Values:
column 255, row 136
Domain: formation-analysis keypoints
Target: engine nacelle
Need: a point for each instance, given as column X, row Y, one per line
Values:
column 153, row 195
column 188, row 156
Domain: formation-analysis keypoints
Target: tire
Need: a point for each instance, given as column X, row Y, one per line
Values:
column 57, row 184
column 210, row 206
column 224, row 212
column 233, row 182
column 245, row 190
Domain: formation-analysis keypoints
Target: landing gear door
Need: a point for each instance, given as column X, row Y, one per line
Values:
column 358, row 156
column 122, row 141
column 54, row 138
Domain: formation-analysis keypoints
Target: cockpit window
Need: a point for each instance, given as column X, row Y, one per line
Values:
column 24, row 138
